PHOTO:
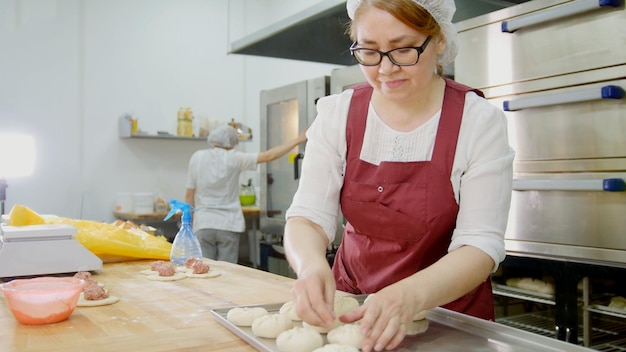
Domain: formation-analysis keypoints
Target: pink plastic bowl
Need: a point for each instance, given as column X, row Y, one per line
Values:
column 42, row 300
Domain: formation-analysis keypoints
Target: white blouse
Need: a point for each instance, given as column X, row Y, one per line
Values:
column 481, row 173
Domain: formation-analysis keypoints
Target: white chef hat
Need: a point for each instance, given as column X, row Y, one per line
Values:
column 442, row 11
column 223, row 136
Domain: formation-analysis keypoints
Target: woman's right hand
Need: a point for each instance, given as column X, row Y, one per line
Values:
column 314, row 295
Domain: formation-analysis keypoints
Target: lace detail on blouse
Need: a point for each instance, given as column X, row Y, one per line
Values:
column 382, row 143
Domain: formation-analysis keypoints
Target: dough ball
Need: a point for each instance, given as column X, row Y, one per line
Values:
column 244, row 316
column 513, row 282
column 333, row 347
column 346, row 334
column 342, row 305
column 345, row 304
column 618, row 302
column 289, row 309
column 417, row 327
column 299, row 340
column 321, row 329
column 536, row 285
column 271, row 325
column 420, row 315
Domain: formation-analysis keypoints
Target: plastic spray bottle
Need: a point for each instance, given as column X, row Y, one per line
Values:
column 185, row 244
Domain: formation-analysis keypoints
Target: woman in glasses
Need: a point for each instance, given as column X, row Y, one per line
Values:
column 420, row 167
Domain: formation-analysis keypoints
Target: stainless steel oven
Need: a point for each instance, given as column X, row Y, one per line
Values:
column 285, row 111
column 558, row 70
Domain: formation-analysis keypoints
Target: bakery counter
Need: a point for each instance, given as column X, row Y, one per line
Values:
column 181, row 316
column 151, row 315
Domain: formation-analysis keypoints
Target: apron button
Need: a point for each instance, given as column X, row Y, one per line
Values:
column 380, row 189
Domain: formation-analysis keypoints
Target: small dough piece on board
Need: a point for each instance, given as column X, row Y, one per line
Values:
column 148, row 272
column 299, row 340
column 347, row 334
column 244, row 316
column 271, row 325
column 82, row 302
column 211, row 274
column 177, row 276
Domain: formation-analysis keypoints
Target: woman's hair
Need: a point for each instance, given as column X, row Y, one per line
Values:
column 407, row 12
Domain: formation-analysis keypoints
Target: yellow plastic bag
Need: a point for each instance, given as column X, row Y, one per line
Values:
column 106, row 240
column 21, row 215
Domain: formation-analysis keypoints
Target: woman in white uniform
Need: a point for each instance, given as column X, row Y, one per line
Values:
column 213, row 190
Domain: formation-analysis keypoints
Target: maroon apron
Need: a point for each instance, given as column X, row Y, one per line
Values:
column 401, row 214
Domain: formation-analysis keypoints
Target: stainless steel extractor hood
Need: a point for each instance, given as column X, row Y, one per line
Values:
column 317, row 33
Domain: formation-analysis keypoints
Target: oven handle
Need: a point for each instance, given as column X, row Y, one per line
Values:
column 566, row 10
column 296, row 166
column 606, row 185
column 606, row 92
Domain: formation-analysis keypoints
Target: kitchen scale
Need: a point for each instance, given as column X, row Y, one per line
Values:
column 43, row 250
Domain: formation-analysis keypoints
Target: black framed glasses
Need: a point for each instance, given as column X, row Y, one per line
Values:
column 406, row 56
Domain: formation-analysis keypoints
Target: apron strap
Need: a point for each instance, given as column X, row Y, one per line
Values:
column 450, row 124
column 357, row 117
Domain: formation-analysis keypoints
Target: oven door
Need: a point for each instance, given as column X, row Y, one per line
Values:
column 285, row 112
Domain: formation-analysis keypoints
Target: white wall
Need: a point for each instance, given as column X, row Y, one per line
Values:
column 70, row 68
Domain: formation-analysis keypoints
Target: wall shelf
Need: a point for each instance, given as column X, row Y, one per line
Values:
column 164, row 136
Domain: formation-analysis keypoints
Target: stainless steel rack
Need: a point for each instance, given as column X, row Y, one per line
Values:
column 603, row 327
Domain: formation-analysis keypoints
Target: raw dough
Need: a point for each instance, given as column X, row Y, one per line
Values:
column 289, row 310
column 212, row 273
column 271, row 325
column 82, row 302
column 177, row 276
column 342, row 305
column 531, row 284
column 347, row 334
column 618, row 302
column 333, row 347
column 345, row 304
column 244, row 316
column 148, row 272
column 299, row 340
column 420, row 315
column 321, row 329
column 417, row 327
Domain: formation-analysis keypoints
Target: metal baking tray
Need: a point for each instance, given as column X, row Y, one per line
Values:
column 448, row 331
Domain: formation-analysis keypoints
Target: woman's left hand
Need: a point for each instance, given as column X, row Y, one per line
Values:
column 384, row 318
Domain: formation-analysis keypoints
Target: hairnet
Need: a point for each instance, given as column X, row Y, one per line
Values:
column 223, row 136
column 442, row 11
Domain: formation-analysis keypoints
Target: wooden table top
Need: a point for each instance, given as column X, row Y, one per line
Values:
column 151, row 315
column 248, row 211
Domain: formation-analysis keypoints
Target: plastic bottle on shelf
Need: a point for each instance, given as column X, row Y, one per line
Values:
column 180, row 123
column 185, row 244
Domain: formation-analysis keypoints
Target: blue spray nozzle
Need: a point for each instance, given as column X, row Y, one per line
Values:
column 183, row 207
